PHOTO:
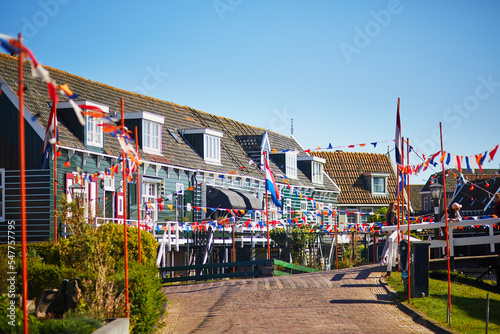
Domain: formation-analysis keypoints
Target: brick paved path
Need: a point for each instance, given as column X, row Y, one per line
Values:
column 341, row 301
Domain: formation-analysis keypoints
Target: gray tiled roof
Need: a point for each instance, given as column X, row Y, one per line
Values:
column 348, row 170
column 234, row 152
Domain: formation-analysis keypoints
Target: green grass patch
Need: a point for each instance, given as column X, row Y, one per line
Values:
column 468, row 301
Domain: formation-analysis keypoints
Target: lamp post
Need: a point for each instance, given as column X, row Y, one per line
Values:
column 77, row 190
column 436, row 193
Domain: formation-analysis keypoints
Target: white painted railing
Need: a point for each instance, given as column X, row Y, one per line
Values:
column 490, row 239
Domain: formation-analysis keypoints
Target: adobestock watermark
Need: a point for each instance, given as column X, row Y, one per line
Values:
column 365, row 35
column 11, row 273
column 223, row 6
column 280, row 120
column 32, row 24
column 153, row 78
column 456, row 115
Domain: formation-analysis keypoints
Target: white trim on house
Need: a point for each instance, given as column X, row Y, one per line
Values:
column 312, row 158
column 67, row 105
column 203, row 131
column 145, row 115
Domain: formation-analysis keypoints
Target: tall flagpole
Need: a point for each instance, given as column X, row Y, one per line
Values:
column 267, row 215
column 405, row 175
column 54, row 105
column 447, row 231
column 127, row 307
column 138, row 186
column 398, row 142
column 22, row 172
column 401, row 209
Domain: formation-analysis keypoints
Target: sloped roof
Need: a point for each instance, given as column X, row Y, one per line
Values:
column 415, row 197
column 452, row 177
column 348, row 171
column 176, row 117
column 476, row 194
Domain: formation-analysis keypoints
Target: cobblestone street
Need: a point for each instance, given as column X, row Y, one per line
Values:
column 342, row 301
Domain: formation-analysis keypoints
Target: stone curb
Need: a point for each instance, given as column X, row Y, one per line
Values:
column 416, row 315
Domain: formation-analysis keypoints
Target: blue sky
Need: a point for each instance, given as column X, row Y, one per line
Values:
column 337, row 68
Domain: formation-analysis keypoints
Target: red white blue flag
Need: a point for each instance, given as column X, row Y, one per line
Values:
column 271, row 185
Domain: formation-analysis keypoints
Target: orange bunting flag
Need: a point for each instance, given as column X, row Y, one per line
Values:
column 171, row 207
column 190, row 188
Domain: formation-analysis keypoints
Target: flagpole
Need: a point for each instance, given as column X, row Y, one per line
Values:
column 405, row 175
column 398, row 130
column 267, row 216
column 138, row 186
column 22, row 167
column 401, row 206
column 54, row 105
column 125, row 241
column 447, row 231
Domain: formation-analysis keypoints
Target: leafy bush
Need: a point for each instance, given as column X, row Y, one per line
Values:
column 112, row 234
column 73, row 324
column 43, row 276
column 146, row 297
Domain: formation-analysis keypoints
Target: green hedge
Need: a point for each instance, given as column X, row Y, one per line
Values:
column 145, row 295
column 79, row 256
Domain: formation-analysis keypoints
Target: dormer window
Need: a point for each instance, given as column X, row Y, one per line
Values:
column 312, row 167
column 211, row 148
column 317, row 172
column 206, row 142
column 91, row 134
column 377, row 183
column 291, row 165
column 151, row 136
column 149, row 130
column 287, row 161
column 94, row 132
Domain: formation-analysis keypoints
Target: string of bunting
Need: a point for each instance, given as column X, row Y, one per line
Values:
column 316, row 227
column 15, row 47
column 459, row 161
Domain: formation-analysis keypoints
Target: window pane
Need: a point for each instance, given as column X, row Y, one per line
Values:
column 379, row 184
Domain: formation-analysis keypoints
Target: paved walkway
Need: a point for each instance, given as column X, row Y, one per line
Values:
column 341, row 301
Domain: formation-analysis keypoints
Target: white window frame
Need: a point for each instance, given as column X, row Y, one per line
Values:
column 364, row 218
column 377, row 177
column 2, row 194
column 317, row 172
column 291, row 165
column 303, row 205
column 151, row 136
column 147, row 195
column 111, row 180
column 94, row 133
column 211, row 148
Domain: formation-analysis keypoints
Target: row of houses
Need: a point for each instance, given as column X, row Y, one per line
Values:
column 195, row 166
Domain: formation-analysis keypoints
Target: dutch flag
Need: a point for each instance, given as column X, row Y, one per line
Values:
column 271, row 185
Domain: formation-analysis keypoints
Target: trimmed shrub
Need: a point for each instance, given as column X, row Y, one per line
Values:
column 43, row 276
column 146, row 298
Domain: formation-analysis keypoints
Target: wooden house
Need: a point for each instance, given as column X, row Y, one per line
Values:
column 198, row 166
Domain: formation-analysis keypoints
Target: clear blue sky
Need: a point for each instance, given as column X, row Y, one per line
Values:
column 336, row 67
